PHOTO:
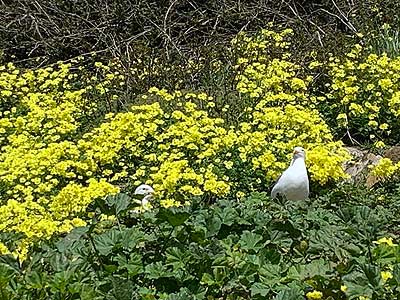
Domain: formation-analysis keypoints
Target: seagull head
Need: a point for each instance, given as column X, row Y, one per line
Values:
column 144, row 189
column 299, row 152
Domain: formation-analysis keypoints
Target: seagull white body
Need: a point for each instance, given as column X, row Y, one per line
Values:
column 147, row 190
column 293, row 183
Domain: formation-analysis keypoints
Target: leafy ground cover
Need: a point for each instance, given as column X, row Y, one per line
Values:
column 236, row 249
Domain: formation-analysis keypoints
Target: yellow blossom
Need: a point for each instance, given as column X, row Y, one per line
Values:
column 385, row 240
column 314, row 295
column 386, row 275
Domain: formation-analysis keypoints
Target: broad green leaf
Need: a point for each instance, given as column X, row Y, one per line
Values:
column 131, row 238
column 60, row 281
column 105, row 242
column 174, row 216
column 36, row 280
column 110, row 268
column 220, row 274
column 6, row 274
column 307, row 271
column 250, row 241
column 290, row 294
column 259, row 289
column 207, row 279
column 157, row 270
column 270, row 275
column 271, row 254
column 213, row 226
column 134, row 265
column 177, row 258
column 87, row 292
column 119, row 202
column 363, row 281
column 228, row 216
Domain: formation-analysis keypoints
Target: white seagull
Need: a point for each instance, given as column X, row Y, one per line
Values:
column 147, row 190
column 293, row 183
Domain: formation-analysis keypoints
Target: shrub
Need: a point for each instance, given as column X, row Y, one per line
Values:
column 362, row 99
column 44, row 184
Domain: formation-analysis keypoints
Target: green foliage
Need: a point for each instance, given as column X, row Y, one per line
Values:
column 385, row 40
column 247, row 249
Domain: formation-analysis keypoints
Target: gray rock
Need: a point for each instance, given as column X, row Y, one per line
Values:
column 358, row 167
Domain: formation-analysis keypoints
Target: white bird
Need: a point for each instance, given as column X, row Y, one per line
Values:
column 293, row 183
column 147, row 190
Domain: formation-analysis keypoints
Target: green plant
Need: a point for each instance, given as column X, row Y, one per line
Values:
column 235, row 249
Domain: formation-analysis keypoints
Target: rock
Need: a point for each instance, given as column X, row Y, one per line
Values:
column 358, row 168
column 393, row 153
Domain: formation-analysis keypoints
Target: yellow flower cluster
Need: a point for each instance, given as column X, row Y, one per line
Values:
column 264, row 71
column 171, row 150
column 364, row 93
column 385, row 168
column 386, row 275
column 388, row 241
column 280, row 113
column 45, row 183
column 274, row 131
column 314, row 295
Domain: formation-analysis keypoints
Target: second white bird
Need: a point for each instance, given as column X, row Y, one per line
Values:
column 293, row 183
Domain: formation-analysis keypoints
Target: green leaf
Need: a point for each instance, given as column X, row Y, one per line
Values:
column 61, row 281
column 271, row 254
column 259, row 289
column 207, row 279
column 228, row 216
column 157, row 270
column 177, row 258
column 363, row 281
column 290, row 294
column 220, row 274
column 36, row 280
column 175, row 217
column 110, row 268
column 270, row 275
column 87, row 292
column 6, row 274
column 120, row 202
column 134, row 265
column 307, row 271
column 384, row 254
column 250, row 241
column 72, row 238
column 131, row 238
column 107, row 241
column 213, row 226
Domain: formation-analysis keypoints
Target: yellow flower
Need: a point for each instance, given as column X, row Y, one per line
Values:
column 379, row 144
column 228, row 164
column 388, row 241
column 3, row 249
column 169, row 203
column 386, row 275
column 343, row 288
column 240, row 195
column 384, row 126
column 314, row 295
